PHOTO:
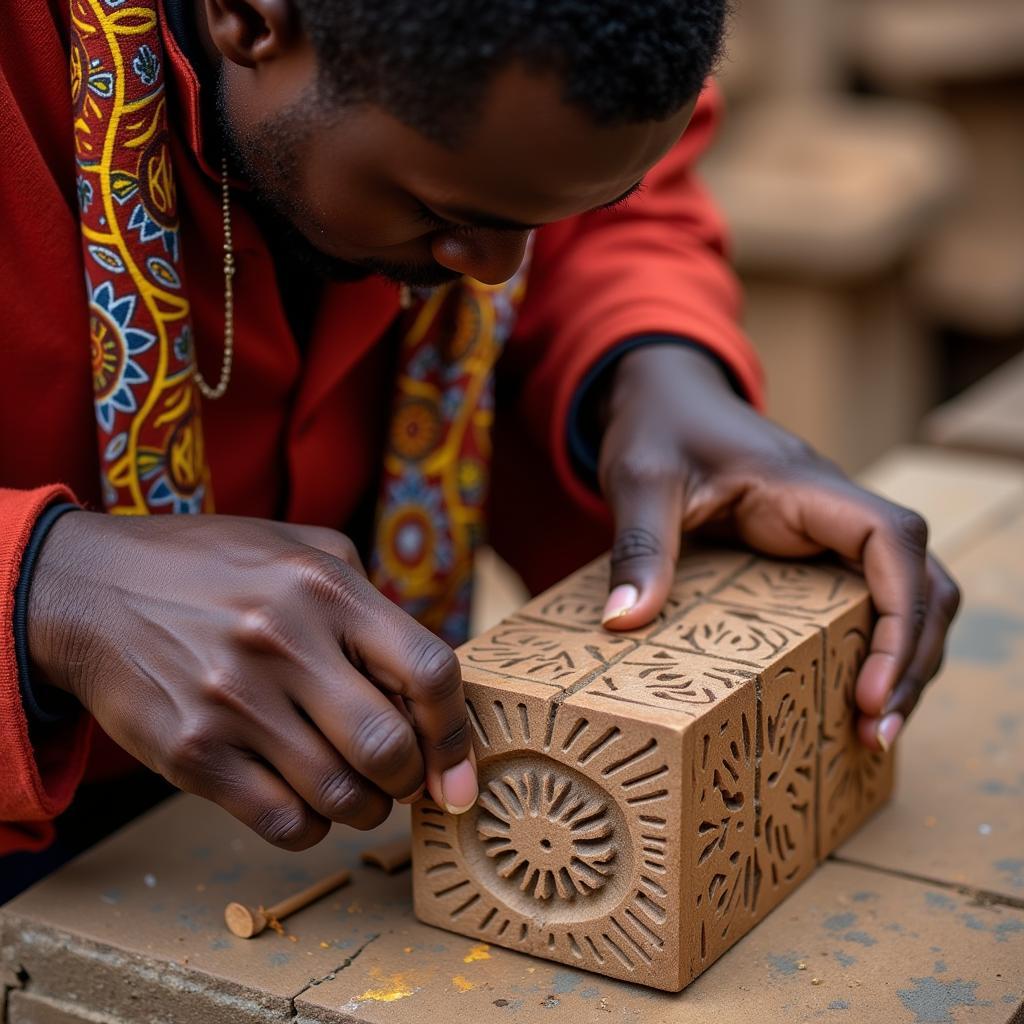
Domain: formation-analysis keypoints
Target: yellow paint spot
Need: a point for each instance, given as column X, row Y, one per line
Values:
column 325, row 945
column 461, row 983
column 355, row 908
column 477, row 953
column 407, row 949
column 396, row 987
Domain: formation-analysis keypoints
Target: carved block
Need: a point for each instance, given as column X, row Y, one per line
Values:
column 646, row 798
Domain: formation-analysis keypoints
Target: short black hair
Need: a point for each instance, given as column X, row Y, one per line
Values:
column 427, row 62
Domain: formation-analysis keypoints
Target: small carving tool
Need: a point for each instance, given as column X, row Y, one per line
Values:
column 248, row 922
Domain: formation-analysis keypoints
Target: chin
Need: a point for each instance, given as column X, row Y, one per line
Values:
column 430, row 276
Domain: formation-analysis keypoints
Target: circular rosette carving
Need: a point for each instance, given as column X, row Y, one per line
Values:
column 548, row 834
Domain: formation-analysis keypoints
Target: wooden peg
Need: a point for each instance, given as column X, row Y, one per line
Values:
column 248, row 922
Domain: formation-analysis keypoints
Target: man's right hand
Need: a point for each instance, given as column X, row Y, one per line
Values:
column 252, row 663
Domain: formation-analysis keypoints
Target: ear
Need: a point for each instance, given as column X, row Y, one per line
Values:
column 251, row 32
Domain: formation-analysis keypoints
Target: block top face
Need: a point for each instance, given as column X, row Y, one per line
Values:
column 730, row 617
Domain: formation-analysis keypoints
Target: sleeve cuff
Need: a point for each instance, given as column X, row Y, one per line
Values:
column 44, row 705
column 583, row 424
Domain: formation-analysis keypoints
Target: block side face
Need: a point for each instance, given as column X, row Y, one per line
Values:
column 788, row 717
column 721, row 882
column 853, row 781
column 572, row 851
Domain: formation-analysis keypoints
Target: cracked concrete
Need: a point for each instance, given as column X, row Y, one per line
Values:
column 331, row 975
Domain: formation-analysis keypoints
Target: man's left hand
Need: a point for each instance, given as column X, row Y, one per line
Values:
column 682, row 451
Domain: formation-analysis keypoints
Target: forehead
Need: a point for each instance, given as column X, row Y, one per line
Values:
column 525, row 149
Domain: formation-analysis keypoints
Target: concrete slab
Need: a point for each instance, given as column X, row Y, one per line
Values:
column 958, row 811
column 138, row 920
column 850, row 945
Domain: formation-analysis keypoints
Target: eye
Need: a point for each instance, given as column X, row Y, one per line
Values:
column 624, row 201
column 436, row 223
column 427, row 216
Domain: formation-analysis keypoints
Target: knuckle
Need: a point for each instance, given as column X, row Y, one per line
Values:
column 910, row 529
column 642, row 472
column 919, row 614
column 192, row 749
column 436, row 676
column 322, row 578
column 454, row 740
column 262, row 627
column 798, row 454
column 384, row 744
column 223, row 687
column 281, row 826
column 340, row 793
column 949, row 598
column 635, row 544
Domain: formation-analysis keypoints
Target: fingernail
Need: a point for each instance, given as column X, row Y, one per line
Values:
column 413, row 798
column 888, row 729
column 621, row 600
column 458, row 787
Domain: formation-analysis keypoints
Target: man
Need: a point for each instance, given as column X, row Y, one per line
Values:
column 221, row 204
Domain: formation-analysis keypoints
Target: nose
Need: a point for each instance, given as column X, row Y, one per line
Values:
column 491, row 257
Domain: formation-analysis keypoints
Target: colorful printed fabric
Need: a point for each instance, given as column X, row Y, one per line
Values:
column 148, row 415
column 147, row 404
column 430, row 518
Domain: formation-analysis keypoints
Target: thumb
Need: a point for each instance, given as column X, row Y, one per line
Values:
column 647, row 509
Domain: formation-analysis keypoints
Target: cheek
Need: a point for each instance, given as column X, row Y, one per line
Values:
column 352, row 208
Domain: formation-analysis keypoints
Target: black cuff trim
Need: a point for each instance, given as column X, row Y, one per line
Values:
column 44, row 705
column 583, row 430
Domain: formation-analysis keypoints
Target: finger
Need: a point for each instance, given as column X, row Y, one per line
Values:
column 362, row 724
column 647, row 505
column 405, row 658
column 313, row 768
column 247, row 789
column 890, row 545
column 943, row 601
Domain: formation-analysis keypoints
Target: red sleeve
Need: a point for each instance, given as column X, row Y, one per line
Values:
column 657, row 267
column 37, row 784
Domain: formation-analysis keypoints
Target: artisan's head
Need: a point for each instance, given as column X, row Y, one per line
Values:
column 424, row 138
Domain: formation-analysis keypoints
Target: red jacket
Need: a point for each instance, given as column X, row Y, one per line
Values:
column 303, row 434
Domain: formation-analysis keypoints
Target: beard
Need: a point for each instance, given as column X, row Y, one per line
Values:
column 278, row 210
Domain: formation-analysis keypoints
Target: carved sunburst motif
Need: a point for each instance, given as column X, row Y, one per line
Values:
column 547, row 835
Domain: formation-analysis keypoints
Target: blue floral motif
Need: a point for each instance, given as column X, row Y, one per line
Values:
column 183, row 346
column 146, row 65
column 122, row 345
column 451, row 401
column 423, row 363
column 163, row 493
column 85, row 193
column 148, row 229
column 412, row 489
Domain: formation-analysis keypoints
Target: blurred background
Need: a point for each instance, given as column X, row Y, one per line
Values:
column 871, row 169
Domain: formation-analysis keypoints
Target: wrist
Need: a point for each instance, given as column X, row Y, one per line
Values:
column 49, row 609
column 669, row 370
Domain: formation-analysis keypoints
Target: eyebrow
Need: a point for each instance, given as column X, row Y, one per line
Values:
column 479, row 219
